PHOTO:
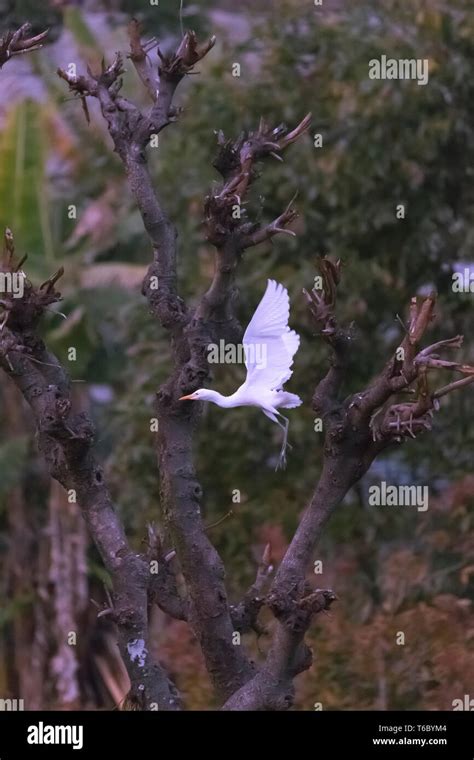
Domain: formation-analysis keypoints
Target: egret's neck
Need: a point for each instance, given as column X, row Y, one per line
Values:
column 219, row 399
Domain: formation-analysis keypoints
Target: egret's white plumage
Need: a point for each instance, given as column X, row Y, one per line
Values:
column 269, row 348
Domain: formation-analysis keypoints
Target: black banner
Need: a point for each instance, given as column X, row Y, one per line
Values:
column 373, row 734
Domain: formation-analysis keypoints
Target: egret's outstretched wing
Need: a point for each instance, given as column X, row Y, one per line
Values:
column 269, row 343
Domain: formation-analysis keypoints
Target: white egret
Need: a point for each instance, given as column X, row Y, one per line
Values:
column 268, row 339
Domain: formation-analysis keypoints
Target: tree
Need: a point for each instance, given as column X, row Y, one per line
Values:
column 357, row 428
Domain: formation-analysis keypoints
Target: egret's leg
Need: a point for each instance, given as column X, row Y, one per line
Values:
column 274, row 418
column 286, row 428
column 285, row 444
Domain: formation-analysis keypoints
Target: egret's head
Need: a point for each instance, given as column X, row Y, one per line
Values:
column 202, row 394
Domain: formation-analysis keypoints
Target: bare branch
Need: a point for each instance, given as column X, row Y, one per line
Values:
column 226, row 223
column 164, row 587
column 266, row 232
column 454, row 386
column 352, row 441
column 181, row 493
column 19, row 42
column 322, row 306
column 65, row 439
column 139, row 57
column 245, row 614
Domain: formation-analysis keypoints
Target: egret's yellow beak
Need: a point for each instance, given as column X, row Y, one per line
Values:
column 186, row 398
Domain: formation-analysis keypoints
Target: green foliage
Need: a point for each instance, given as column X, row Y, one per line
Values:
column 23, row 188
column 41, row 16
column 12, row 607
column 75, row 22
column 164, row 16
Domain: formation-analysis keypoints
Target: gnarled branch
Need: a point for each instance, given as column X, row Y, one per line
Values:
column 65, row 438
column 20, row 42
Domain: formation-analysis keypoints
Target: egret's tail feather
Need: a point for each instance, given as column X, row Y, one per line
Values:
column 290, row 401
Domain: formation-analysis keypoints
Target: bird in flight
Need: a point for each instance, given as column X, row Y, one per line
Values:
column 269, row 347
